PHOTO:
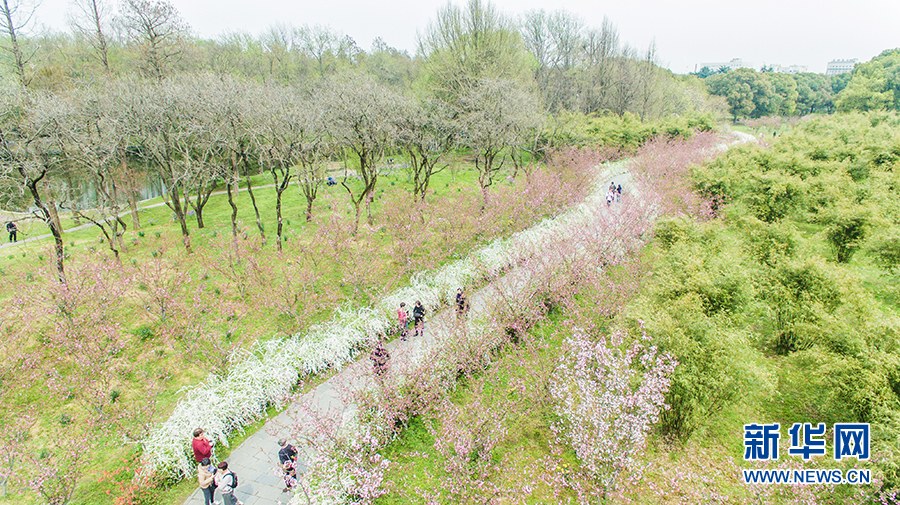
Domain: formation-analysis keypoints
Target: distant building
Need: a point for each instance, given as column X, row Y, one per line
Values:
column 731, row 65
column 838, row 67
column 789, row 69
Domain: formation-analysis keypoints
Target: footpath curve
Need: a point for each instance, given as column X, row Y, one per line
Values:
column 255, row 460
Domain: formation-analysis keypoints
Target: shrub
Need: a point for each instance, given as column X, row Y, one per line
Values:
column 846, row 231
column 609, row 394
column 886, row 249
column 768, row 244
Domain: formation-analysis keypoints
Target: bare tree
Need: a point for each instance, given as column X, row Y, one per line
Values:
column 241, row 116
column 322, row 44
column 158, row 30
column 493, row 116
column 31, row 151
column 94, row 137
column 288, row 134
column 88, row 19
column 159, row 112
column 464, row 45
column 426, row 132
column 360, row 118
column 15, row 16
column 601, row 51
column 280, row 45
column 650, row 82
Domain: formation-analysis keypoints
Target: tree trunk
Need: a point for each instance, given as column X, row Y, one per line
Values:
column 14, row 44
column 51, row 206
column 357, row 205
column 202, row 200
column 262, row 231
column 234, row 209
column 309, row 203
column 369, row 197
column 174, row 201
column 280, row 225
column 132, row 194
column 54, row 229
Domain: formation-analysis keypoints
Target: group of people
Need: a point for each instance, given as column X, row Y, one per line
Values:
column 218, row 477
column 380, row 355
column 613, row 193
column 418, row 316
column 212, row 477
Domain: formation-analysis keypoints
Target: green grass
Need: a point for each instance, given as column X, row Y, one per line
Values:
column 29, row 269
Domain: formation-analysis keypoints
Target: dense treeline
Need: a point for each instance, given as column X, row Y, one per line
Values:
column 874, row 85
column 570, row 65
column 784, row 304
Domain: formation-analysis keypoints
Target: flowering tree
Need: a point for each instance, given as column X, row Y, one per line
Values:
column 609, row 395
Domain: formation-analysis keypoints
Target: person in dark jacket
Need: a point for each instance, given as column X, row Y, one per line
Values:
column 462, row 305
column 287, row 452
column 380, row 357
column 12, row 230
column 419, row 318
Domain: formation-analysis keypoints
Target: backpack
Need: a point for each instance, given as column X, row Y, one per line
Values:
column 234, row 479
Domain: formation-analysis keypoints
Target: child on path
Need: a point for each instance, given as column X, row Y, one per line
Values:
column 402, row 320
column 289, row 474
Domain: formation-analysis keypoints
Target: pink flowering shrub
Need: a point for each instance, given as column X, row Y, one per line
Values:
column 609, row 395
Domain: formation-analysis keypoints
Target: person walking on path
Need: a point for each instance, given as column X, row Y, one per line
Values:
column 287, row 452
column 618, row 192
column 287, row 456
column 380, row 357
column 419, row 318
column 206, row 474
column 201, row 445
column 403, row 320
column 12, row 229
column 462, row 305
column 226, row 481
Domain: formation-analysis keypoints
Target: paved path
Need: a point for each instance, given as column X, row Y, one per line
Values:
column 255, row 460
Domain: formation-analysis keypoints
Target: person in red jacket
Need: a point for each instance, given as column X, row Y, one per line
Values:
column 201, row 445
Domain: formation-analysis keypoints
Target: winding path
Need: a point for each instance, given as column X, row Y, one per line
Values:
column 255, row 460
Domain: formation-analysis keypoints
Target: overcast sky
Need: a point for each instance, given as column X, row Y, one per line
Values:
column 687, row 32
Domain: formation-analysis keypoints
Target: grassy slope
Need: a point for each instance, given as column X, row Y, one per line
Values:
column 28, row 270
column 706, row 467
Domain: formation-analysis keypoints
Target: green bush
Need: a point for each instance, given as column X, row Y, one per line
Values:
column 772, row 196
column 801, row 293
column 669, row 231
column 714, row 362
column 885, row 249
column 846, row 231
column 768, row 244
